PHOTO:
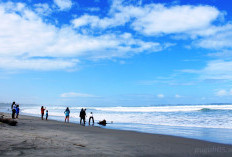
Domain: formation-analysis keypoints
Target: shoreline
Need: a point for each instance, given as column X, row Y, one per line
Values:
column 33, row 136
column 215, row 135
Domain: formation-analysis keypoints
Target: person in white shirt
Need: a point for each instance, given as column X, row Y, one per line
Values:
column 91, row 117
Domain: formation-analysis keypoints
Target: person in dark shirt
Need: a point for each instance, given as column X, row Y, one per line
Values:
column 13, row 108
column 82, row 115
column 46, row 114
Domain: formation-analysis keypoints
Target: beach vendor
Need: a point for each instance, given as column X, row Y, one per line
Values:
column 67, row 112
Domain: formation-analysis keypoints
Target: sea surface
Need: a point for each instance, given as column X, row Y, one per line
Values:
column 205, row 122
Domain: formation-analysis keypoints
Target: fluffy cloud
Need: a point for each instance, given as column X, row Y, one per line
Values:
column 160, row 96
column 223, row 92
column 42, row 9
column 177, row 96
column 154, row 19
column 177, row 19
column 25, row 36
column 74, row 95
column 37, row 64
column 216, row 69
column 63, row 4
column 218, row 38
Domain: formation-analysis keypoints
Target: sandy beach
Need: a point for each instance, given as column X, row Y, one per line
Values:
column 35, row 137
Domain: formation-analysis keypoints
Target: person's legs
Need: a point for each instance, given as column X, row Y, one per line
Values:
column 93, row 120
column 90, row 120
column 84, row 120
column 13, row 116
column 68, row 119
column 42, row 116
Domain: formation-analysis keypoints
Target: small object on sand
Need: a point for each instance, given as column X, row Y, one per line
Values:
column 8, row 121
column 103, row 122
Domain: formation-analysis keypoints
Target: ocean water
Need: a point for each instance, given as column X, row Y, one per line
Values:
column 205, row 122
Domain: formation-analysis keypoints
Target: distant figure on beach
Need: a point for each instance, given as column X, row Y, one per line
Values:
column 46, row 114
column 91, row 117
column 42, row 112
column 67, row 112
column 17, row 111
column 82, row 115
column 13, row 107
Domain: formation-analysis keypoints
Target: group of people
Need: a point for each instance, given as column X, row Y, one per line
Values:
column 42, row 113
column 15, row 110
column 82, row 116
column 67, row 113
column 15, row 113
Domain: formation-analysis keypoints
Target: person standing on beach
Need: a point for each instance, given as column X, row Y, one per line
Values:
column 91, row 117
column 13, row 107
column 17, row 111
column 67, row 112
column 82, row 115
column 46, row 114
column 42, row 112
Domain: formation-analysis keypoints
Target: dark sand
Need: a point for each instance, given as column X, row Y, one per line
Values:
column 34, row 137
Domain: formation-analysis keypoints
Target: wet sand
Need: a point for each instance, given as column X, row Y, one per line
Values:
column 35, row 137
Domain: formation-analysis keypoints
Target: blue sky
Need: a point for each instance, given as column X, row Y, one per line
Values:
column 115, row 52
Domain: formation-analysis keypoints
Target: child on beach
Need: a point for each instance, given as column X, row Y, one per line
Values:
column 42, row 112
column 67, row 112
column 46, row 114
column 91, row 117
column 17, row 111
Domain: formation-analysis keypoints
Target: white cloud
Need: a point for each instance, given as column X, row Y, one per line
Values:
column 176, row 19
column 178, row 96
column 63, row 4
column 24, row 36
column 160, row 96
column 219, row 38
column 216, row 69
column 36, row 64
column 73, row 95
column 154, row 19
column 223, row 54
column 42, row 9
column 93, row 9
column 221, row 92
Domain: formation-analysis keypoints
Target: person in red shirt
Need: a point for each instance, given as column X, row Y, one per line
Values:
column 42, row 112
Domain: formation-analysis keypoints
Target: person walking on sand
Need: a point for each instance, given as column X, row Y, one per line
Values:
column 46, row 114
column 13, row 107
column 17, row 111
column 42, row 112
column 82, row 115
column 67, row 112
column 91, row 117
